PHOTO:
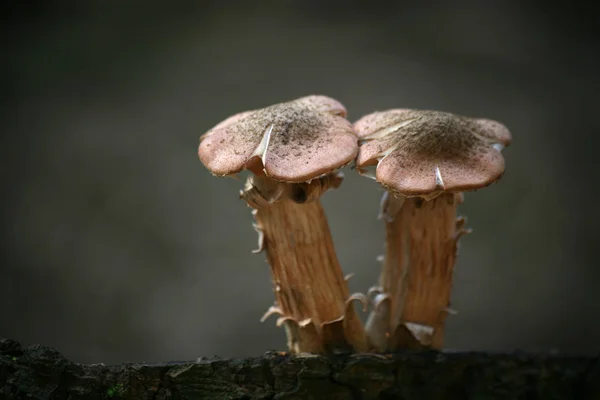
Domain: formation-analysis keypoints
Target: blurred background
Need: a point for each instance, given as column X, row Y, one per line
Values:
column 119, row 246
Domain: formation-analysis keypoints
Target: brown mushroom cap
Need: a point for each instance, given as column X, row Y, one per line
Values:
column 419, row 152
column 296, row 141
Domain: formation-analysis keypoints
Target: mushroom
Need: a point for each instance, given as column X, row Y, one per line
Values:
column 424, row 160
column 294, row 151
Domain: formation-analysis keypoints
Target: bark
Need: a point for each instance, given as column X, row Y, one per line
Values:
column 42, row 373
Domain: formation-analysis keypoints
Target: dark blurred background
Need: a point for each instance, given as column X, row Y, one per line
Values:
column 119, row 246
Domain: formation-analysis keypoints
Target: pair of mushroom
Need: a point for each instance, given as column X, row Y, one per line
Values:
column 424, row 160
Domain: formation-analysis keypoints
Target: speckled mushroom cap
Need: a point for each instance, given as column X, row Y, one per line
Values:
column 296, row 141
column 419, row 152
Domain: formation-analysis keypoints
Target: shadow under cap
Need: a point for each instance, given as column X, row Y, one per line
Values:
column 420, row 152
column 296, row 141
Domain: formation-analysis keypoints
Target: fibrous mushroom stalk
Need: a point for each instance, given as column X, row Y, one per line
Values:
column 312, row 297
column 413, row 296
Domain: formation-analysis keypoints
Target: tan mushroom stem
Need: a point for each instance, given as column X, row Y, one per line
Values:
column 421, row 247
column 311, row 293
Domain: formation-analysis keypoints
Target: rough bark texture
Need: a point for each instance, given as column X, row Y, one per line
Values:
column 40, row 372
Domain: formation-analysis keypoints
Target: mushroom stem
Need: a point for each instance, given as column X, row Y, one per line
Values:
column 421, row 249
column 309, row 285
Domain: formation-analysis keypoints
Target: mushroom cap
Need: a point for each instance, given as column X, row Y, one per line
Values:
column 422, row 152
column 296, row 141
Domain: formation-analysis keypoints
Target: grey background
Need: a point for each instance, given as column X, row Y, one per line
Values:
column 119, row 246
